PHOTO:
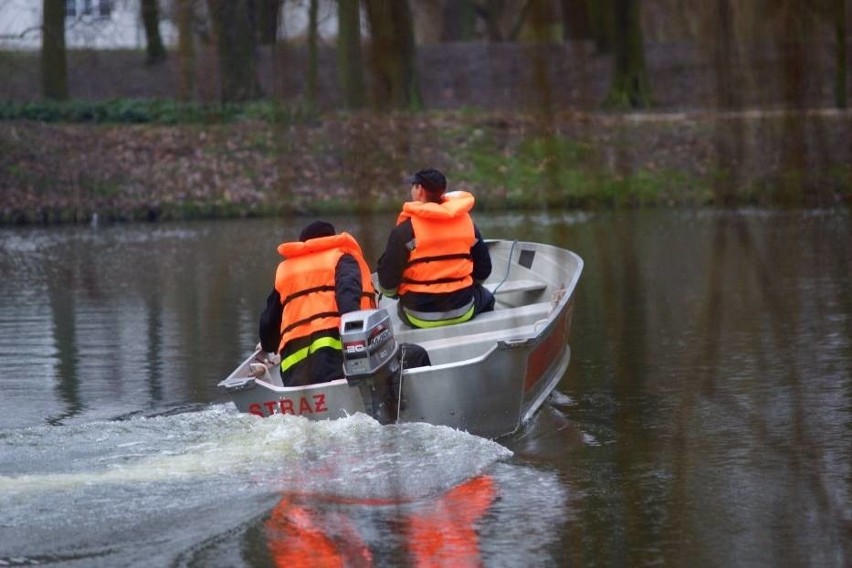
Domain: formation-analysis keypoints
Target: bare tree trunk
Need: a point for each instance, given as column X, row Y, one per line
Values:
column 729, row 141
column 155, row 51
column 726, row 62
column 459, row 18
column 796, row 64
column 840, row 78
column 576, row 24
column 313, row 50
column 602, row 20
column 233, row 27
column 268, row 13
column 541, row 28
column 492, row 11
column 503, row 18
column 795, row 57
column 54, row 68
column 541, row 22
column 630, row 84
column 393, row 55
column 430, row 21
column 349, row 60
column 186, row 50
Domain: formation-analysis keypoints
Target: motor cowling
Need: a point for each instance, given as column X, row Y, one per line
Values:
column 369, row 346
column 371, row 360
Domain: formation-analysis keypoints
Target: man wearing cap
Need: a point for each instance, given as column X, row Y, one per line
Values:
column 322, row 276
column 435, row 258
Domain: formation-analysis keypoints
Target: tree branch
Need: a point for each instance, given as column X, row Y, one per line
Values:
column 22, row 34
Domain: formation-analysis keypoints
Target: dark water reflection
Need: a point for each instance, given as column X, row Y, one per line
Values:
column 704, row 418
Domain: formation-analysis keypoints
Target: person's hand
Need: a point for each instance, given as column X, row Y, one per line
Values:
column 266, row 358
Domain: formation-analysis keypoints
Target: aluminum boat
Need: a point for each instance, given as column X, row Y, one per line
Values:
column 487, row 376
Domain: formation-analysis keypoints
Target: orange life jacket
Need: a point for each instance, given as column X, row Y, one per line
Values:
column 305, row 282
column 443, row 233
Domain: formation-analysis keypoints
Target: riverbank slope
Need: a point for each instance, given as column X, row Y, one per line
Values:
column 343, row 162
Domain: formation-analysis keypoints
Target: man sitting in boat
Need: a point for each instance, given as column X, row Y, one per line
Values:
column 435, row 258
column 322, row 276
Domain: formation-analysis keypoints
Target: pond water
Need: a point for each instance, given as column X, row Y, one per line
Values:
column 704, row 418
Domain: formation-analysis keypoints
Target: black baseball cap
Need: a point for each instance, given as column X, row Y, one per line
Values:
column 317, row 229
column 431, row 179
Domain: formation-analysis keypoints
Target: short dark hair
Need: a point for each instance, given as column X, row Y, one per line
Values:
column 431, row 179
column 317, row 229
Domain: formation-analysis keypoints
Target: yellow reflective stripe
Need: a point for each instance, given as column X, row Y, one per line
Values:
column 438, row 323
column 389, row 292
column 440, row 316
column 303, row 353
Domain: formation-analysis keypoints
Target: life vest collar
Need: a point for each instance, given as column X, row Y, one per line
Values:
column 455, row 204
column 343, row 241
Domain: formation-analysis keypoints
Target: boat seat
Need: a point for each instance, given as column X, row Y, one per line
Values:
column 481, row 333
column 517, row 286
column 475, row 337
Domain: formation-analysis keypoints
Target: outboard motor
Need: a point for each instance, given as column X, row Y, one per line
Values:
column 371, row 361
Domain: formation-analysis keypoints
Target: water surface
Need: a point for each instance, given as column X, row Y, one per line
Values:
column 703, row 420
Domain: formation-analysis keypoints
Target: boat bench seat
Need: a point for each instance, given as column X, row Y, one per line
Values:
column 475, row 337
column 517, row 286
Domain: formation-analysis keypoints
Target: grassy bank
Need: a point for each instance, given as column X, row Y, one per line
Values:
column 157, row 161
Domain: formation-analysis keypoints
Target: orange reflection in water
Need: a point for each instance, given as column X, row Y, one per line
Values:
column 440, row 533
column 297, row 537
column 444, row 534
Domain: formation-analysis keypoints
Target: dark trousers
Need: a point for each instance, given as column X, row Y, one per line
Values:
column 414, row 356
column 483, row 299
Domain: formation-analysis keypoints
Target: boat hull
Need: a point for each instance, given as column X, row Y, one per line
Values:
column 494, row 394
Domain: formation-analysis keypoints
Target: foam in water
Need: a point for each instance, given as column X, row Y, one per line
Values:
column 353, row 457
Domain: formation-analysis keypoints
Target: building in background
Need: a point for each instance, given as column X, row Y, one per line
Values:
column 117, row 24
column 89, row 24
